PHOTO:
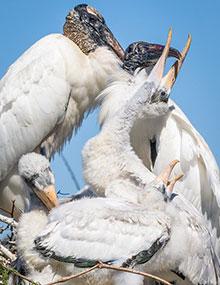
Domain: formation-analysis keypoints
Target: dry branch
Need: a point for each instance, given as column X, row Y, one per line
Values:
column 18, row 274
column 5, row 252
column 9, row 221
column 111, row 267
column 97, row 266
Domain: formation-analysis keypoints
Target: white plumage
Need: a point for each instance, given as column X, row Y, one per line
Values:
column 114, row 169
column 172, row 136
column 34, row 170
column 157, row 235
column 46, row 92
column 160, row 233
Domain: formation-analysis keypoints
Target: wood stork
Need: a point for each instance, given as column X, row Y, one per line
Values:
column 156, row 141
column 100, row 152
column 173, row 241
column 39, row 181
column 161, row 234
column 46, row 92
column 146, row 235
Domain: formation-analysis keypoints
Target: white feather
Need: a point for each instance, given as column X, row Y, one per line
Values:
column 176, row 138
column 44, row 96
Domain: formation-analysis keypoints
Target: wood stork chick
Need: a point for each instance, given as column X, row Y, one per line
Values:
column 164, row 234
column 149, row 101
column 39, row 181
column 156, row 141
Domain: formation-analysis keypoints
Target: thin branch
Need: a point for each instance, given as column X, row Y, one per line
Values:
column 64, row 279
column 72, row 175
column 9, row 221
column 111, row 267
column 13, row 209
column 18, row 274
column 3, row 210
column 4, row 251
column 106, row 266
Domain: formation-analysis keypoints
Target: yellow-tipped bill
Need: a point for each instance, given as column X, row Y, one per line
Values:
column 170, row 78
column 48, row 196
column 157, row 72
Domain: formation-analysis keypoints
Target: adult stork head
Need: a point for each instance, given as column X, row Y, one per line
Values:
column 86, row 27
column 145, row 55
column 35, row 170
column 153, row 94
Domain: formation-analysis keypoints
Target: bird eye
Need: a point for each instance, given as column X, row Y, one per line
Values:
column 31, row 180
column 164, row 96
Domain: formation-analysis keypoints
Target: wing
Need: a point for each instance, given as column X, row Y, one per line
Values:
column 85, row 231
column 200, row 184
column 34, row 95
column 200, row 264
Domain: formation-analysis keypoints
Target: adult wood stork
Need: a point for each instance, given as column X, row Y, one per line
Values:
column 156, row 141
column 46, row 92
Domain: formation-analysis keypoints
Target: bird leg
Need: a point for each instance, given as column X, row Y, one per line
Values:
column 169, row 184
column 165, row 174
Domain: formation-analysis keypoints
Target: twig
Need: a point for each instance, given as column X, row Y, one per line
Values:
column 75, row 275
column 13, row 209
column 100, row 265
column 9, row 221
column 72, row 175
column 18, row 274
column 3, row 210
column 7, row 253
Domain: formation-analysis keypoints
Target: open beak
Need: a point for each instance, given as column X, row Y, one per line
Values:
column 156, row 74
column 170, row 78
column 48, row 196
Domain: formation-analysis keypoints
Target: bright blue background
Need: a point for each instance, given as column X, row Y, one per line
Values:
column 23, row 22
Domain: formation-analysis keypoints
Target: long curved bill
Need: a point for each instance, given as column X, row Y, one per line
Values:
column 107, row 33
column 169, row 79
column 158, row 70
column 48, row 196
column 113, row 43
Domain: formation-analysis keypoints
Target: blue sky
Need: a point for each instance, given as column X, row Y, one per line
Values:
column 24, row 22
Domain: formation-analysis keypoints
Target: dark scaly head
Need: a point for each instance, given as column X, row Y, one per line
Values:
column 86, row 27
column 145, row 55
column 154, row 92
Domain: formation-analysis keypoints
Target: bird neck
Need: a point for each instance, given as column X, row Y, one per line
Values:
column 110, row 156
column 99, row 68
column 123, row 120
